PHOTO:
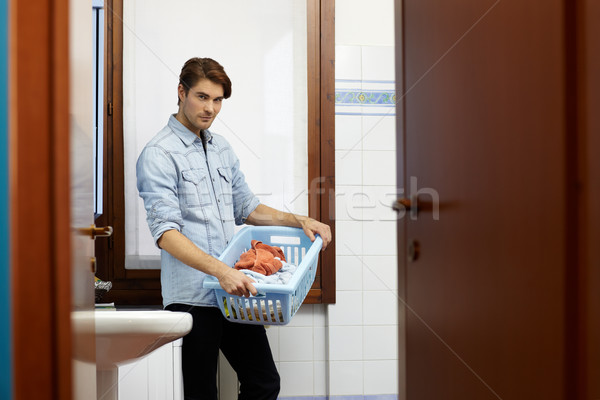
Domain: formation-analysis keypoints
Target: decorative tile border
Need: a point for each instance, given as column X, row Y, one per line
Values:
column 383, row 98
column 364, row 97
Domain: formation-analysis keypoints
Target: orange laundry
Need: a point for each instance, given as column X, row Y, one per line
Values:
column 261, row 258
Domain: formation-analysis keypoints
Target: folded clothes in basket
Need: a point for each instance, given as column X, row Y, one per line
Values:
column 270, row 312
column 280, row 277
column 261, row 258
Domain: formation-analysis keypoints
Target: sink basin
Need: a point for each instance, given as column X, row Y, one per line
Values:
column 122, row 337
column 125, row 336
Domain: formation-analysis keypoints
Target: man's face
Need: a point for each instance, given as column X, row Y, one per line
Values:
column 199, row 108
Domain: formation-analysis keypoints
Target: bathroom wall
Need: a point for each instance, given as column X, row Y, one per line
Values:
column 349, row 350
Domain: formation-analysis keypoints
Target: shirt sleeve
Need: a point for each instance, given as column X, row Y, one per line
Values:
column 157, row 185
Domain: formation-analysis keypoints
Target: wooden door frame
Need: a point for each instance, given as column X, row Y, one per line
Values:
column 39, row 199
column 5, row 311
column 321, row 138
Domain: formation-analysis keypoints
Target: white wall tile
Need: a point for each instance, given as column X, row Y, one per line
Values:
column 349, row 203
column 273, row 336
column 296, row 378
column 320, row 352
column 380, row 342
column 380, row 273
column 363, row 348
column 378, row 132
column 381, row 377
column 348, row 62
column 379, row 167
column 320, row 315
column 377, row 202
column 345, row 378
column 348, row 167
column 345, row 343
column 348, row 309
column 378, row 63
column 380, row 308
column 348, row 132
column 380, row 238
column 349, row 273
column 364, row 22
column 349, row 237
column 321, row 377
column 296, row 344
column 353, row 111
column 303, row 317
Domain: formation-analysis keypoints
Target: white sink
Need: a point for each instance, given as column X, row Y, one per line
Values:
column 125, row 336
column 122, row 337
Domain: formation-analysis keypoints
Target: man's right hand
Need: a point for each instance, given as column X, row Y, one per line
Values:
column 237, row 283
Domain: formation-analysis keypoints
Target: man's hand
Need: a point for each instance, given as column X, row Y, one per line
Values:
column 265, row 215
column 312, row 227
column 237, row 283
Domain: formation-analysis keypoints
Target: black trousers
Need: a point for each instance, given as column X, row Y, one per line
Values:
column 245, row 346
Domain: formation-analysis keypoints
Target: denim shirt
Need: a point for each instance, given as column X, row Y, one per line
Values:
column 202, row 195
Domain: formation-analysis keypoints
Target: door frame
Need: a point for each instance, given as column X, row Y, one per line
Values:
column 39, row 199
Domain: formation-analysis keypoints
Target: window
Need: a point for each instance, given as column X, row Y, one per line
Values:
column 139, row 286
column 98, row 84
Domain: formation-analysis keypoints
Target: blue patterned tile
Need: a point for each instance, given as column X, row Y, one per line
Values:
column 383, row 98
column 356, row 97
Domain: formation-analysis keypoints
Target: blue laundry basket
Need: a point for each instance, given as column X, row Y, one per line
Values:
column 275, row 304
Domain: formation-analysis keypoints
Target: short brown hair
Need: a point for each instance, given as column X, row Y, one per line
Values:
column 196, row 69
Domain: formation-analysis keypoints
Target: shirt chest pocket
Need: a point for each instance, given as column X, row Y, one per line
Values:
column 194, row 188
column 226, row 186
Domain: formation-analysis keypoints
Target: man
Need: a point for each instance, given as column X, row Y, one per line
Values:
column 194, row 193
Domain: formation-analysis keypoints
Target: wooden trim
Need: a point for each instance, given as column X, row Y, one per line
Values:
column 313, row 13
column 102, row 247
column 327, row 151
column 39, row 190
column 314, row 105
column 321, row 137
column 401, row 227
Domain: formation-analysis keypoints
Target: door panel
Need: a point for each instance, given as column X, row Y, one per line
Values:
column 484, row 119
column 40, row 224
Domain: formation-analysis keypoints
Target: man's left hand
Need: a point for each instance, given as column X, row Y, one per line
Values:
column 312, row 227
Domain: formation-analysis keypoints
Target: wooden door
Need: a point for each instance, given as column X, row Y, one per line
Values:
column 489, row 132
column 50, row 137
